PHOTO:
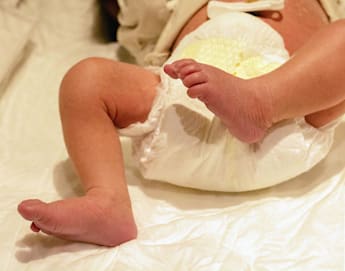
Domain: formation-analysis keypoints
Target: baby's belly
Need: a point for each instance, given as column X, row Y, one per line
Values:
column 296, row 23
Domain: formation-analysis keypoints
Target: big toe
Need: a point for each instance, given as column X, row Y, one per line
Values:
column 170, row 70
column 30, row 209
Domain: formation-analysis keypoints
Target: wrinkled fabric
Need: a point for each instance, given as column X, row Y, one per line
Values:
column 14, row 38
column 298, row 225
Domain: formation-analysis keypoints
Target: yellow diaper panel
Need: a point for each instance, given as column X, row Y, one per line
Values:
column 229, row 55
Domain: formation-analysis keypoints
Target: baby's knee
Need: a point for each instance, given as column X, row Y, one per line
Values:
column 83, row 82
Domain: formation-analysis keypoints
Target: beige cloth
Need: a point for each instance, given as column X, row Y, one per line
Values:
column 148, row 28
column 16, row 28
column 334, row 8
column 141, row 23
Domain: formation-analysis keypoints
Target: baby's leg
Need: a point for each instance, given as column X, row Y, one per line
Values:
column 246, row 107
column 97, row 95
column 311, row 85
column 323, row 117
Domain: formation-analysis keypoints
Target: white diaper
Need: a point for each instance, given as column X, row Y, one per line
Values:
column 183, row 143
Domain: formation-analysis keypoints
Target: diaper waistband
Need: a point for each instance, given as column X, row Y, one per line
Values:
column 216, row 8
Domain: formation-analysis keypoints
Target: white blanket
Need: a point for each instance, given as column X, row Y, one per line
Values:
column 298, row 225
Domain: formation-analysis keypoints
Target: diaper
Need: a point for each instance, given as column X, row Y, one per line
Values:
column 185, row 144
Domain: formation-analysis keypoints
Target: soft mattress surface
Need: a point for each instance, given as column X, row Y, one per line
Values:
column 298, row 225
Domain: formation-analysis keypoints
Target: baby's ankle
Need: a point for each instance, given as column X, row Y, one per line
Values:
column 265, row 105
column 101, row 193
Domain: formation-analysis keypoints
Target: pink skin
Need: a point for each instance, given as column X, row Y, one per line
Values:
column 237, row 102
column 48, row 217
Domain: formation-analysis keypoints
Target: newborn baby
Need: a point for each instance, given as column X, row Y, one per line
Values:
column 203, row 142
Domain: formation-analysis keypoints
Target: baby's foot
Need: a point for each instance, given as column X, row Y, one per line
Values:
column 242, row 107
column 96, row 219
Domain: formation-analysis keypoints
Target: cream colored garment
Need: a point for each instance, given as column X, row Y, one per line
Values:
column 334, row 8
column 149, row 27
column 141, row 23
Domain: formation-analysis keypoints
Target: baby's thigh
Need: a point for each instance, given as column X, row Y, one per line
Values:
column 132, row 89
column 124, row 90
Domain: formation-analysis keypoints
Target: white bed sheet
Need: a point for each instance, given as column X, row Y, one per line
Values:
column 298, row 225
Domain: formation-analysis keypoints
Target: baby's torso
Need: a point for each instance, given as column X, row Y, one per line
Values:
column 296, row 22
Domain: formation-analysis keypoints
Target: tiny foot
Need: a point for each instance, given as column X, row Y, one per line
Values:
column 93, row 219
column 243, row 106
